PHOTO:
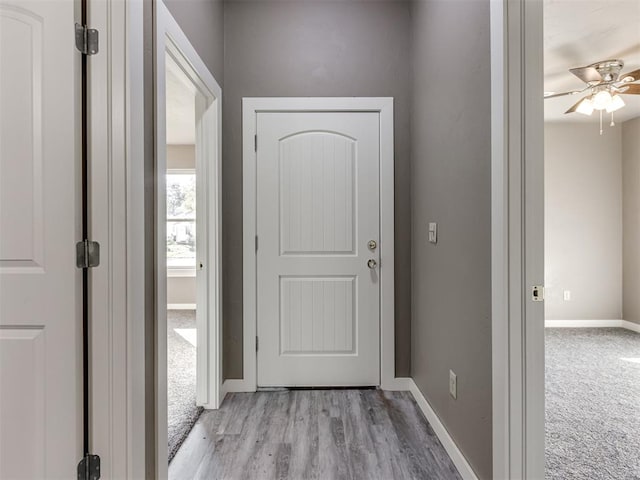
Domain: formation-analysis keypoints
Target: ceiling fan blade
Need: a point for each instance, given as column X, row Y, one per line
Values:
column 575, row 107
column 635, row 75
column 633, row 89
column 553, row 95
column 587, row 74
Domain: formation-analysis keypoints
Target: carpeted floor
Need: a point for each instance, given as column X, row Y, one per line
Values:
column 592, row 404
column 182, row 412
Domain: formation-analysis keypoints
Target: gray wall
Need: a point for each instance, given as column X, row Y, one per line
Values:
column 203, row 23
column 583, row 221
column 345, row 48
column 451, row 185
column 631, row 222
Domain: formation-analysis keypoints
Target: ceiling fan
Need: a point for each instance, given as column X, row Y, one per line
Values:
column 604, row 85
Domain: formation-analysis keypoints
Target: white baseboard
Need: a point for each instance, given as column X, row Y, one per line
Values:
column 634, row 327
column 236, row 385
column 582, row 323
column 181, row 306
column 398, row 384
column 613, row 323
column 465, row 470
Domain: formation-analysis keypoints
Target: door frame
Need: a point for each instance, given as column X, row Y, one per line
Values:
column 171, row 40
column 250, row 108
column 517, row 237
column 119, row 392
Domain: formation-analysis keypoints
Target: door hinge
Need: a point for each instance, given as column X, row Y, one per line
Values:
column 256, row 243
column 255, row 142
column 86, row 39
column 87, row 254
column 89, row 467
column 537, row 293
column 257, row 344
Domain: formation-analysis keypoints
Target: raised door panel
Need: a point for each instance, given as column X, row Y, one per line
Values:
column 317, row 315
column 22, row 403
column 317, row 194
column 21, row 208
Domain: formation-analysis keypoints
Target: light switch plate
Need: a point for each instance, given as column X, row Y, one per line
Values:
column 453, row 385
column 433, row 232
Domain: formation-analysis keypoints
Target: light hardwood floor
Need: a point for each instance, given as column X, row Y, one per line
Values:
column 313, row 434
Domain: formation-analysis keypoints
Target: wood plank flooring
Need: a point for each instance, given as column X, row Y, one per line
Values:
column 313, row 434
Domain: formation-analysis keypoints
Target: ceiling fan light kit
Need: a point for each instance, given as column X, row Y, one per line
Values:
column 604, row 85
column 585, row 107
column 616, row 104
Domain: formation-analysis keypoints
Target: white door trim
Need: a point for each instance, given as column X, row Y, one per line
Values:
column 250, row 108
column 517, row 238
column 171, row 40
column 116, row 185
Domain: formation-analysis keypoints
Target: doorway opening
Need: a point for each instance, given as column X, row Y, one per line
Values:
column 181, row 227
column 591, row 192
column 328, row 253
column 188, row 232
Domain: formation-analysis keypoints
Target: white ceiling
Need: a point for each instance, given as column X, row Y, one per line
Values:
column 181, row 113
column 581, row 32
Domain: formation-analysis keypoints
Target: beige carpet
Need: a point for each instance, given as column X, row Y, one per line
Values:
column 182, row 412
column 592, row 404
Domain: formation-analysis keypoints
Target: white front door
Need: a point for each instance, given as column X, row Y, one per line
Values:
column 318, row 310
column 40, row 286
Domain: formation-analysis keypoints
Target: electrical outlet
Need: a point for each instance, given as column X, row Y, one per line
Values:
column 453, row 384
column 567, row 295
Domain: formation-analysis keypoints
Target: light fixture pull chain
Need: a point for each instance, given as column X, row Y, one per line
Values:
column 600, row 122
column 612, row 124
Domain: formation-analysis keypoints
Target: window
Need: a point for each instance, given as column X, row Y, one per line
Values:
column 181, row 219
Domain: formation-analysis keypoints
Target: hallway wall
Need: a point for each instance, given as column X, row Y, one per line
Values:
column 424, row 54
column 451, row 185
column 329, row 48
column 203, row 23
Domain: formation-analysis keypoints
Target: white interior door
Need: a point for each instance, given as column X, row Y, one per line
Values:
column 40, row 286
column 318, row 310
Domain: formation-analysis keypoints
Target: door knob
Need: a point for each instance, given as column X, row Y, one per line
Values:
column 372, row 263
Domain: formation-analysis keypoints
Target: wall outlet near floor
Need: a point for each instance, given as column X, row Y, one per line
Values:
column 567, row 295
column 453, row 384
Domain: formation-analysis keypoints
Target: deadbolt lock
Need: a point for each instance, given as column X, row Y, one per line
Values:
column 372, row 244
